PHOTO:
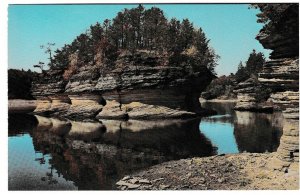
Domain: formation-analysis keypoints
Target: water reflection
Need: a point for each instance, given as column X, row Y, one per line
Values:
column 54, row 154
column 51, row 154
column 233, row 131
column 258, row 132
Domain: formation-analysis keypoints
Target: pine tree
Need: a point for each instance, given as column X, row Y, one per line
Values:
column 134, row 29
column 255, row 63
column 186, row 34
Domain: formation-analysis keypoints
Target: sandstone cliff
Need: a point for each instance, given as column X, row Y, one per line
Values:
column 161, row 89
column 280, row 75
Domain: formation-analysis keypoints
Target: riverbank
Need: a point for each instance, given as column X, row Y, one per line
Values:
column 245, row 171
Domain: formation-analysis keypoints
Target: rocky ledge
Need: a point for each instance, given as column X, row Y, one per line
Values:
column 223, row 172
column 281, row 76
column 146, row 88
column 247, row 93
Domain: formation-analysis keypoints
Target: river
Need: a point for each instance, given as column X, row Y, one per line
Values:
column 49, row 154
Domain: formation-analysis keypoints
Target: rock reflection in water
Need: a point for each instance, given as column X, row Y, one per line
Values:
column 234, row 131
column 258, row 132
column 95, row 155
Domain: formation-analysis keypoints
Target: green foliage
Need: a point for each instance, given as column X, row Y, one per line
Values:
column 138, row 29
column 222, row 86
column 19, row 83
column 241, row 74
column 253, row 66
column 273, row 15
column 262, row 93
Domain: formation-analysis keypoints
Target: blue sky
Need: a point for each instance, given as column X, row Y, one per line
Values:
column 230, row 27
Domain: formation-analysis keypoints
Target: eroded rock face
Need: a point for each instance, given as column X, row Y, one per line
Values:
column 43, row 105
column 246, row 94
column 59, row 105
column 160, row 97
column 141, row 77
column 48, row 83
column 282, row 35
column 174, row 87
column 112, row 110
column 289, row 143
column 84, row 107
column 21, row 106
column 281, row 75
column 84, row 81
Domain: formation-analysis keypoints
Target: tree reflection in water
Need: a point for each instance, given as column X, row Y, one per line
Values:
column 95, row 155
column 241, row 131
column 258, row 132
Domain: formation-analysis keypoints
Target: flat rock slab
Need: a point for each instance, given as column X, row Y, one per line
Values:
column 137, row 110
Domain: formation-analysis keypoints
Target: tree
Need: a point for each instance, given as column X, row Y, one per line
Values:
column 61, row 57
column 178, row 43
column 272, row 13
column 85, row 48
column 96, row 32
column 255, row 63
column 118, row 30
column 253, row 66
column 241, row 74
column 186, row 34
column 48, row 49
column 281, row 20
column 155, row 28
column 136, row 19
column 19, row 83
column 106, row 25
column 173, row 36
column 40, row 65
column 205, row 56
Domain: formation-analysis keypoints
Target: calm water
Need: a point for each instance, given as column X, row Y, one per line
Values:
column 234, row 131
column 50, row 154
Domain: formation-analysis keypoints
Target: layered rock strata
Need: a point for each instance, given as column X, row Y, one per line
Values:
column 174, row 87
column 281, row 75
column 84, row 106
column 48, row 83
column 246, row 97
column 163, row 91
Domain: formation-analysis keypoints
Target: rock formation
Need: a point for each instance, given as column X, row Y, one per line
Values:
column 247, row 93
column 162, row 91
column 281, row 75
